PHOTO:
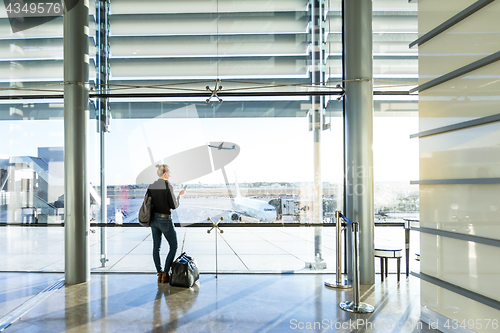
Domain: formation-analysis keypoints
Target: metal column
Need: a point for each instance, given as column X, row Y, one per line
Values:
column 102, row 78
column 317, row 78
column 76, row 115
column 358, row 125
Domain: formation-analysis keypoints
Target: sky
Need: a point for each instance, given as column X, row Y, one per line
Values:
column 271, row 149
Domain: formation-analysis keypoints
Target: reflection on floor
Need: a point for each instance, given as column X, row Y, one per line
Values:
column 113, row 302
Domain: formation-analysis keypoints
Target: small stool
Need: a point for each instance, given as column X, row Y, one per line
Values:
column 384, row 254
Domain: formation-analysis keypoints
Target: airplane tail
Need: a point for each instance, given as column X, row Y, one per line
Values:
column 238, row 193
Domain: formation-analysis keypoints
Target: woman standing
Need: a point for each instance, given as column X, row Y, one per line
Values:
column 163, row 200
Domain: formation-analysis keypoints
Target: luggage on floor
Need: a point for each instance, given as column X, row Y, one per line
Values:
column 184, row 271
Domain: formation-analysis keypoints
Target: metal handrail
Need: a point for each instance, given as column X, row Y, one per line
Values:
column 200, row 225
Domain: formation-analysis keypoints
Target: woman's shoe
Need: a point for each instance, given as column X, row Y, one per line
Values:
column 163, row 277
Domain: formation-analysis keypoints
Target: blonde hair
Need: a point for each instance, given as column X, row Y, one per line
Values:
column 162, row 168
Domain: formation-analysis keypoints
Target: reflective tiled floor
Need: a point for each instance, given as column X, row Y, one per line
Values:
column 113, row 302
column 239, row 249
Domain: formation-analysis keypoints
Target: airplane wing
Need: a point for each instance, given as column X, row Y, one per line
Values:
column 215, row 208
column 191, row 213
column 187, row 215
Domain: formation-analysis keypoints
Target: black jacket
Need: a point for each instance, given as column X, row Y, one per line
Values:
column 163, row 197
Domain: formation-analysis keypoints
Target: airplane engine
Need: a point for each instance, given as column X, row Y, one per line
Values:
column 235, row 217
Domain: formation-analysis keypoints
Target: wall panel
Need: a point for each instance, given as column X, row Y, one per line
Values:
column 456, row 307
column 460, row 168
column 465, row 209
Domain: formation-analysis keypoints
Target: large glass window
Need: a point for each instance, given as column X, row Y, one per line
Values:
column 253, row 158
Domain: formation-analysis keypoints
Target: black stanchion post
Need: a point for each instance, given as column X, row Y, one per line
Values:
column 407, row 246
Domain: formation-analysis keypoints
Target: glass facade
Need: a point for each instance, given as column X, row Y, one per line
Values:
column 279, row 64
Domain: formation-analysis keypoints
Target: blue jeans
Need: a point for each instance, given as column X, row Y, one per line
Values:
column 163, row 225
